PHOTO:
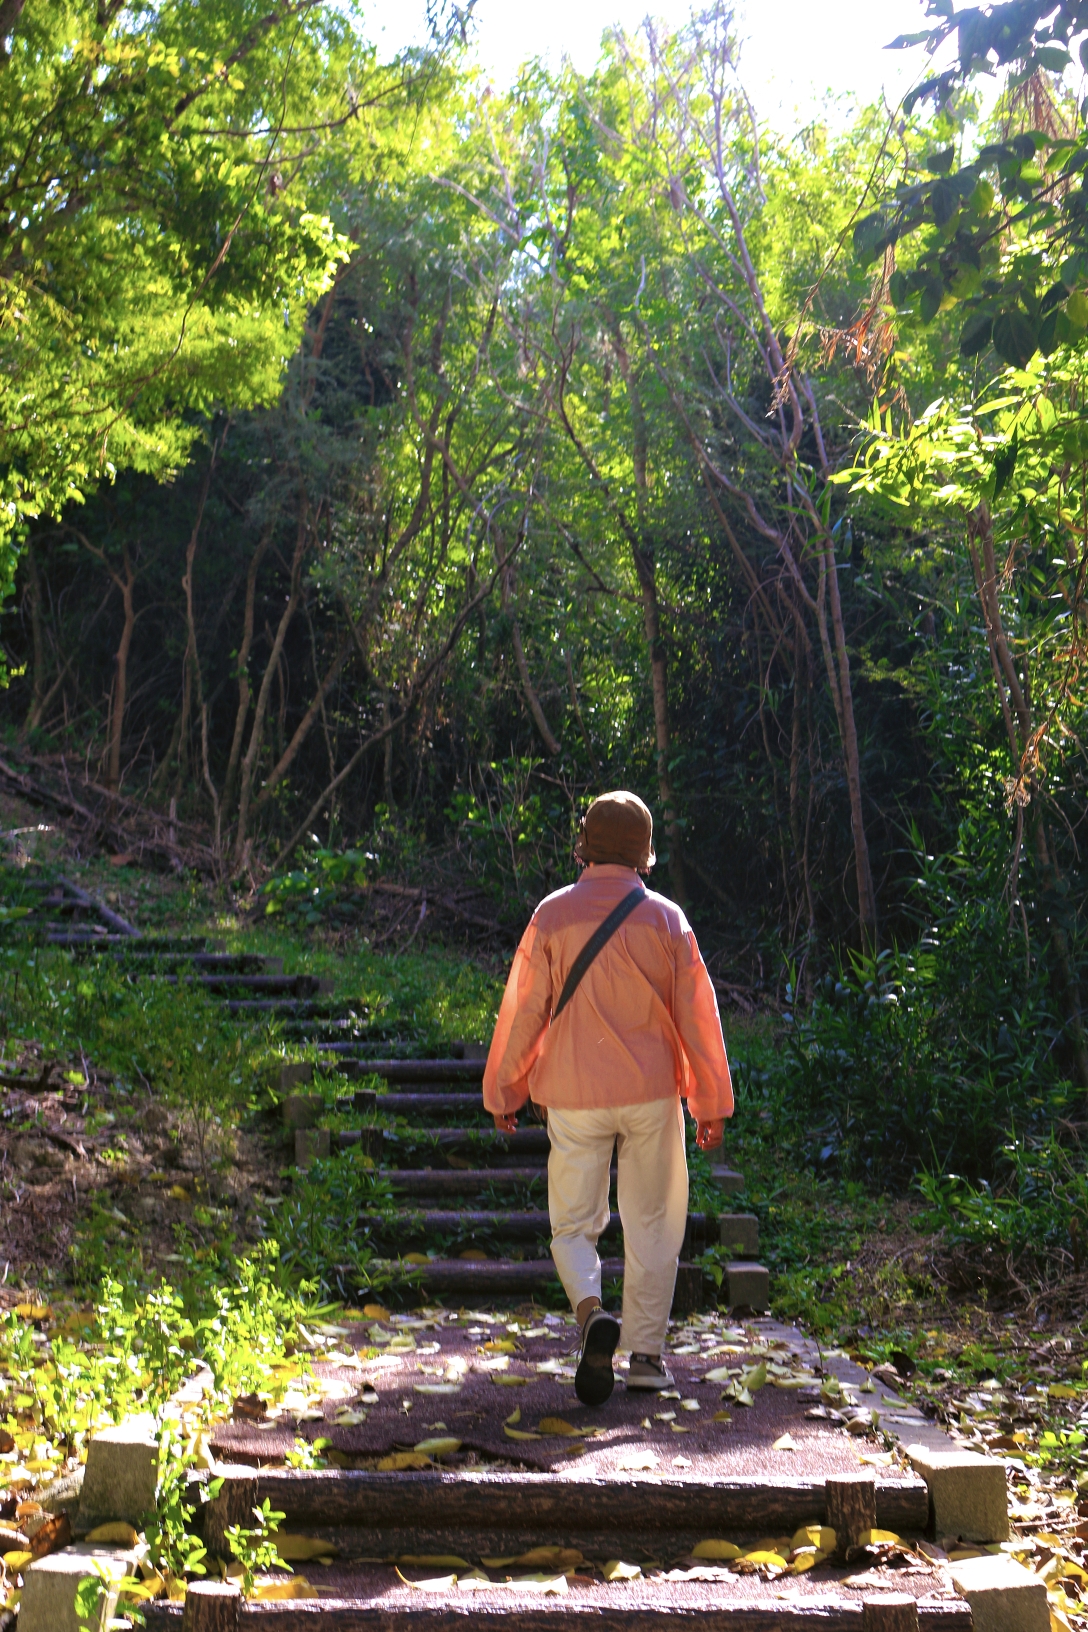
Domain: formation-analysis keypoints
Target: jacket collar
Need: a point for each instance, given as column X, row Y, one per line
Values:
column 601, row 871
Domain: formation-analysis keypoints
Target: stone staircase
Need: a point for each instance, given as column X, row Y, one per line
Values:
column 532, row 1530
column 483, row 1195
column 457, row 1192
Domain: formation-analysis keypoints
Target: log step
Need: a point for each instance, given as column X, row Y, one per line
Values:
column 375, row 1514
column 459, row 1181
column 530, row 1224
column 374, row 1597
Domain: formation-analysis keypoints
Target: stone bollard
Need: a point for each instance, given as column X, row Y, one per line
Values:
column 741, row 1232
column 48, row 1602
column 291, row 1074
column 747, row 1285
column 1003, row 1595
column 311, row 1145
column 302, row 1111
column 122, row 1474
column 968, row 1493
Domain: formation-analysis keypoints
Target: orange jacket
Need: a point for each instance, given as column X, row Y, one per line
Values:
column 642, row 1025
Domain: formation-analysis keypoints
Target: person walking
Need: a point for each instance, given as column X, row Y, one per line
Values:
column 608, row 1019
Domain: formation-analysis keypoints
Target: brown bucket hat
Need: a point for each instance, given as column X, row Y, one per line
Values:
column 618, row 829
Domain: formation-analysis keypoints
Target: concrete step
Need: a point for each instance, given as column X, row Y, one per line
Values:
column 379, row 1596
column 385, row 1514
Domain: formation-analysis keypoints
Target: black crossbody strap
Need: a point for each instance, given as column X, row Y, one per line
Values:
column 601, row 935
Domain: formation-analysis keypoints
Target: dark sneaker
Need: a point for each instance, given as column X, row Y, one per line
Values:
column 649, row 1374
column 593, row 1381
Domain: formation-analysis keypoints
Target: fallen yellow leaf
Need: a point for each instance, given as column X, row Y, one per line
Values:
column 438, row 1447
column 440, row 1583
column 509, row 1379
column 33, row 1311
column 820, row 1536
column 401, row 1461
column 873, row 1538
column 301, row 1549
column 416, row 1258
column 617, row 1570
column 117, row 1531
column 715, row 1549
column 17, row 1560
column 374, row 1311
column 498, row 1345
column 722, row 1416
column 514, row 1417
column 556, row 1557
column 434, row 1561
column 178, row 1192
column 518, row 1433
column 557, row 1425
column 785, row 1442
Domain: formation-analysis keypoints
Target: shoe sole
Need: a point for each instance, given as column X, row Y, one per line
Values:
column 651, row 1386
column 594, row 1379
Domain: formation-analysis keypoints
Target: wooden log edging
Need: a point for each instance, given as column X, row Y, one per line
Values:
column 538, row 1506
column 830, row 1613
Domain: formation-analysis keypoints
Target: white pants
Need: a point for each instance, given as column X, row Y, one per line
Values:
column 652, row 1194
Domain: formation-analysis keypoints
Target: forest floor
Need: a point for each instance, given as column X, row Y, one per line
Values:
column 100, row 1177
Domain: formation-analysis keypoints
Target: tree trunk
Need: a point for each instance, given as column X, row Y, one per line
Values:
column 230, row 783
column 190, row 663
column 532, row 698
column 120, row 677
column 576, row 706
column 305, row 725
column 34, row 713
column 848, row 729
column 249, row 762
column 646, row 572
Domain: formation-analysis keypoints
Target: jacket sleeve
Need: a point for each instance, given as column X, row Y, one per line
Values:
column 709, row 1086
column 524, row 1017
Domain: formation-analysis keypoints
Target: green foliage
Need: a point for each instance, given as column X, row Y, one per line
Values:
column 172, row 1547
column 157, row 263
column 169, row 1036
column 254, row 1546
column 320, row 1227
column 1036, row 1203
column 321, row 890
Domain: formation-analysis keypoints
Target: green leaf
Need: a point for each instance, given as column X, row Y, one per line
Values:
column 1051, row 57
column 1015, row 338
column 1005, row 465
column 939, row 164
column 976, row 334
column 930, row 303
column 871, row 237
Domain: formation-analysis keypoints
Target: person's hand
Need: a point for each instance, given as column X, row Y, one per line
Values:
column 708, row 1135
column 509, row 1122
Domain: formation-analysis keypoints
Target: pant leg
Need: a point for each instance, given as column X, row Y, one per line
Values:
column 652, row 1194
column 581, row 1153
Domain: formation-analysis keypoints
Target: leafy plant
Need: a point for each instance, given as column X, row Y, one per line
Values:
column 321, row 1228
column 254, row 1547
